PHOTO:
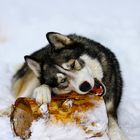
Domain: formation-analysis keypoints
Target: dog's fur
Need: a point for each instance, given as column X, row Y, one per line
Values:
column 64, row 65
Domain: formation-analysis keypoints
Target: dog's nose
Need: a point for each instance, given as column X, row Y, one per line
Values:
column 85, row 86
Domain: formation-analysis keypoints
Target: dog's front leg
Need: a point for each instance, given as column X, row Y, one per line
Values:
column 42, row 94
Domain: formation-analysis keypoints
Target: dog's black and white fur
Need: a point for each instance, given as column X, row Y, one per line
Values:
column 71, row 63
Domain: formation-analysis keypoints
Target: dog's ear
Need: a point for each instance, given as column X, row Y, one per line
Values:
column 33, row 65
column 58, row 40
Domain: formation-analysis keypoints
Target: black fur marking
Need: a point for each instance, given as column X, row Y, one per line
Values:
column 48, row 76
column 21, row 72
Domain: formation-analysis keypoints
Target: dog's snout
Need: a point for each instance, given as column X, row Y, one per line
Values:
column 85, row 86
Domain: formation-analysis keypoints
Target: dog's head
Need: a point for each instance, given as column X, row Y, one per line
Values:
column 69, row 55
column 71, row 69
column 48, row 74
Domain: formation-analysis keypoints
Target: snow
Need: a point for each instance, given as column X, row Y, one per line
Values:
column 115, row 24
column 46, row 130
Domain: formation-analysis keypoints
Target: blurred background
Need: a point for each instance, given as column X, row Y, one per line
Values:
column 115, row 24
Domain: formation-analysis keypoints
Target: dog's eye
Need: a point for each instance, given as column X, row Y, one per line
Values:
column 77, row 65
column 63, row 84
column 72, row 65
column 63, row 80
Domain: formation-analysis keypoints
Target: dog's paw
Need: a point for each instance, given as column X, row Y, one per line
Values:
column 42, row 94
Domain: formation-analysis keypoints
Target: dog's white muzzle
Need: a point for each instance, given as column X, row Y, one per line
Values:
column 80, row 81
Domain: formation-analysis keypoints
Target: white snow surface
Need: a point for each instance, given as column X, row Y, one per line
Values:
column 115, row 24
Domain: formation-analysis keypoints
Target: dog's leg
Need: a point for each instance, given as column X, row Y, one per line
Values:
column 115, row 133
column 24, row 86
column 42, row 94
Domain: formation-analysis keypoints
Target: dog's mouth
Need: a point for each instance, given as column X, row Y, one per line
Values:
column 99, row 88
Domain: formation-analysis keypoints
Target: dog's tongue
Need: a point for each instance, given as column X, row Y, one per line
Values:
column 99, row 88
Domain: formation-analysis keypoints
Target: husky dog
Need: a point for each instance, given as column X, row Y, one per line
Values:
column 72, row 62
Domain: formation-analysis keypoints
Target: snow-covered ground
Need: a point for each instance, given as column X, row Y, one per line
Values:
column 115, row 24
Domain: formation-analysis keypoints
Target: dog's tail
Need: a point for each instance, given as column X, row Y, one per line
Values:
column 24, row 81
column 114, row 131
